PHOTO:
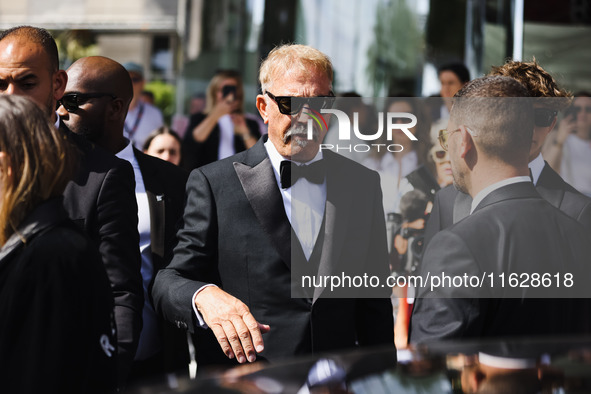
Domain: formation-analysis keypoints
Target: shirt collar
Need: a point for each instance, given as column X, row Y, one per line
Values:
column 536, row 166
column 490, row 188
column 127, row 152
column 276, row 158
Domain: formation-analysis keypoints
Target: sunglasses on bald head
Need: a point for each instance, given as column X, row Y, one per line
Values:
column 291, row 105
column 73, row 101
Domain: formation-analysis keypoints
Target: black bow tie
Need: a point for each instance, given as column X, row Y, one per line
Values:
column 290, row 173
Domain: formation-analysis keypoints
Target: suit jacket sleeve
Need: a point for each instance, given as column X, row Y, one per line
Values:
column 119, row 240
column 375, row 323
column 435, row 315
column 194, row 262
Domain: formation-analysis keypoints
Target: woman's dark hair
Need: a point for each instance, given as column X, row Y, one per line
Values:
column 458, row 69
column 160, row 131
column 38, row 161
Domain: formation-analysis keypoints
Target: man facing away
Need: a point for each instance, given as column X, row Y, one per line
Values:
column 510, row 230
column 101, row 198
column 240, row 242
column 451, row 206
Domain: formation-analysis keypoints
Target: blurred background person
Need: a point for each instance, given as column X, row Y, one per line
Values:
column 352, row 103
column 142, row 117
column 394, row 166
column 57, row 332
column 164, row 144
column 417, row 192
column 147, row 97
column 221, row 130
column 452, row 78
column 569, row 152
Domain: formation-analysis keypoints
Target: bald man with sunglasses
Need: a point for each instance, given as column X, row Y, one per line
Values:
column 451, row 206
column 251, row 230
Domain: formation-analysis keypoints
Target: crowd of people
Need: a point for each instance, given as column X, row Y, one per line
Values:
column 116, row 265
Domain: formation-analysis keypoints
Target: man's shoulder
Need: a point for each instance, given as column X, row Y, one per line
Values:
column 448, row 191
column 572, row 201
column 550, row 179
column 219, row 170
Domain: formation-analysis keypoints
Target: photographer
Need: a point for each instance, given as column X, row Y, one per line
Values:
column 408, row 245
column 222, row 129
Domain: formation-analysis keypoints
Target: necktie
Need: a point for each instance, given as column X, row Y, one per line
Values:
column 290, row 173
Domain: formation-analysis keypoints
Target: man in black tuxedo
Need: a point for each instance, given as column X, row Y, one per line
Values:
column 450, row 206
column 239, row 246
column 160, row 194
column 510, row 230
column 101, row 197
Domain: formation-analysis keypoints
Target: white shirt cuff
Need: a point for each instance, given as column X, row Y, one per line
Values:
column 200, row 320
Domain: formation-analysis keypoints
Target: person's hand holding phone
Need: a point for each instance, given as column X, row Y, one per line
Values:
column 566, row 127
column 228, row 104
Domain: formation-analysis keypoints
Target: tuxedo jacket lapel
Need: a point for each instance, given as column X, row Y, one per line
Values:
column 258, row 182
column 156, row 201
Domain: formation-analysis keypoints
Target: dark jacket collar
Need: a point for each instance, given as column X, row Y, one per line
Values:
column 46, row 215
column 509, row 192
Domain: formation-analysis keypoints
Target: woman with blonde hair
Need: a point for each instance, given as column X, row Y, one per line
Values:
column 56, row 331
column 222, row 129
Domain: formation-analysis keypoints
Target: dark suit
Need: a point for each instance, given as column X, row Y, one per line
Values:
column 512, row 230
column 450, row 205
column 57, row 332
column 165, row 188
column 101, row 200
column 197, row 154
column 236, row 234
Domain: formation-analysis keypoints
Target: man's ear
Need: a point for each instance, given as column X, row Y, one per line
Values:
column 466, row 142
column 60, row 80
column 117, row 109
column 262, row 107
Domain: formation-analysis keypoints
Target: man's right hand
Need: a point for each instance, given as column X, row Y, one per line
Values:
column 234, row 327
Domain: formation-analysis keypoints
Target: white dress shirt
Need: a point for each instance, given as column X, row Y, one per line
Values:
column 226, row 146
column 149, row 343
column 536, row 166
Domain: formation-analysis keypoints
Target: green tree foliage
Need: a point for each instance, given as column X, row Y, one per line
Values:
column 164, row 96
column 395, row 52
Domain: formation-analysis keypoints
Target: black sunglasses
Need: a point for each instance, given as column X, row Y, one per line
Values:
column 543, row 117
column 72, row 101
column 291, row 105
